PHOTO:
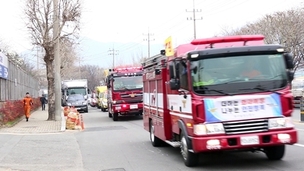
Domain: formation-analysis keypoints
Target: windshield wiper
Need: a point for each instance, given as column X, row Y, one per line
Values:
column 203, row 88
column 235, row 80
column 262, row 89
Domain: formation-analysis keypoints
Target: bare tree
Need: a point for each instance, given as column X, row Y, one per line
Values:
column 40, row 25
column 94, row 74
column 285, row 28
column 68, row 58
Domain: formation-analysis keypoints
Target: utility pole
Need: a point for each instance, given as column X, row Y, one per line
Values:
column 79, row 68
column 113, row 53
column 57, row 61
column 148, row 39
column 194, row 11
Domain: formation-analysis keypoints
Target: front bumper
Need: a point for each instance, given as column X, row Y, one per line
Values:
column 104, row 106
column 82, row 107
column 235, row 142
column 125, row 109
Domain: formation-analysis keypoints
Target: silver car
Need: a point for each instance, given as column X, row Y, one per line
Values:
column 78, row 101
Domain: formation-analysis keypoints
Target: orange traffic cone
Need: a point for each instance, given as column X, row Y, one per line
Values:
column 81, row 121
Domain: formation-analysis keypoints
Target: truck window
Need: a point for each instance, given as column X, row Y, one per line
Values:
column 183, row 75
column 128, row 83
column 237, row 74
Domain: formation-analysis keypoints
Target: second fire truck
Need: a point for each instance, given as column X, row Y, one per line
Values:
column 203, row 98
column 125, row 95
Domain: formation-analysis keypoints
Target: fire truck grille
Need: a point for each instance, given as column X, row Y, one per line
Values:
column 243, row 127
column 137, row 99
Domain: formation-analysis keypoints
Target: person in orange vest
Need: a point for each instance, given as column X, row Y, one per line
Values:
column 27, row 103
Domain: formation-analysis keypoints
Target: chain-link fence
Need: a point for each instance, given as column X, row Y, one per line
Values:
column 17, row 84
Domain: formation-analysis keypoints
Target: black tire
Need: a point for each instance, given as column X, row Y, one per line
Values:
column 190, row 159
column 155, row 141
column 102, row 109
column 115, row 117
column 86, row 110
column 110, row 114
column 275, row 152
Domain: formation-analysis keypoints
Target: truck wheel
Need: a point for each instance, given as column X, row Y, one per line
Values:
column 190, row 159
column 275, row 152
column 115, row 117
column 156, row 142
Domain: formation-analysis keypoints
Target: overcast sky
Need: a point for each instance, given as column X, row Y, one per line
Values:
column 128, row 21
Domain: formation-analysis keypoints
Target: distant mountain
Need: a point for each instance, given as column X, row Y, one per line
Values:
column 93, row 52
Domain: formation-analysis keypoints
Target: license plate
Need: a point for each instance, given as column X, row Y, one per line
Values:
column 133, row 106
column 250, row 140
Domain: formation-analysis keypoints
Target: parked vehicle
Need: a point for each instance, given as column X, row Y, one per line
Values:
column 202, row 98
column 297, row 87
column 99, row 90
column 92, row 100
column 103, row 101
column 78, row 101
column 70, row 87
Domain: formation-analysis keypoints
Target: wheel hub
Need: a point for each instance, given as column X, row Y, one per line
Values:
column 152, row 133
column 184, row 148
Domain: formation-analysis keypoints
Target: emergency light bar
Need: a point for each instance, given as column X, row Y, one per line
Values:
column 127, row 69
column 227, row 39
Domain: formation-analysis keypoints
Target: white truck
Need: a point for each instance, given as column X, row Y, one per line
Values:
column 297, row 88
column 79, row 86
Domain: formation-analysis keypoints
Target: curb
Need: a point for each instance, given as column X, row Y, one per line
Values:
column 63, row 122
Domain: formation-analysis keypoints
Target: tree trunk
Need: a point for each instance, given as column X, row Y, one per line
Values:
column 51, row 85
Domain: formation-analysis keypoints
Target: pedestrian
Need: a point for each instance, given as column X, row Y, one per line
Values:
column 27, row 103
column 43, row 101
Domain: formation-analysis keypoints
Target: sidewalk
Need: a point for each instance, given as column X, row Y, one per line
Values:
column 37, row 124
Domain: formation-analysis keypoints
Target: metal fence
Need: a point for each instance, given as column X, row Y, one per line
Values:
column 18, row 83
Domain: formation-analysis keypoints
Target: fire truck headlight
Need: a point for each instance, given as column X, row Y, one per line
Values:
column 199, row 129
column 114, row 102
column 216, row 128
column 207, row 129
column 277, row 123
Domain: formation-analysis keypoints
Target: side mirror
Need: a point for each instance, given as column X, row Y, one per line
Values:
column 174, row 84
column 289, row 60
column 290, row 75
column 171, row 71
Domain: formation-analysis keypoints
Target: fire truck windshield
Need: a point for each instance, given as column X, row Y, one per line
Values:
column 243, row 73
column 128, row 83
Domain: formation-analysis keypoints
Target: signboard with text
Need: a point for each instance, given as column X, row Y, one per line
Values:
column 168, row 47
column 242, row 107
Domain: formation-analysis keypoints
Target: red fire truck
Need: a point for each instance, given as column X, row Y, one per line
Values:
column 125, row 95
column 200, row 100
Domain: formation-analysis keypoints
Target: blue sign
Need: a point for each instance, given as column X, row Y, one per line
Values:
column 3, row 72
column 231, row 108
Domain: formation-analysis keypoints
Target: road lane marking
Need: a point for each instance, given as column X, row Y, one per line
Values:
column 299, row 129
column 299, row 145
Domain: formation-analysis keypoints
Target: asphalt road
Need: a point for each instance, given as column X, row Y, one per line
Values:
column 124, row 145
